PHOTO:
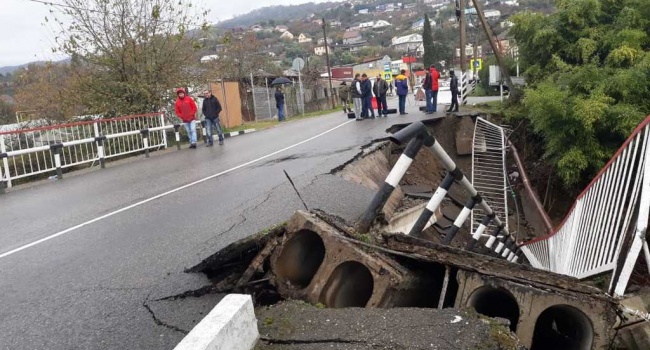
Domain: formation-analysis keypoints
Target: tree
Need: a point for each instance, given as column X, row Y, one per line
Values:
column 241, row 55
column 7, row 112
column 48, row 90
column 587, row 86
column 133, row 51
column 427, row 42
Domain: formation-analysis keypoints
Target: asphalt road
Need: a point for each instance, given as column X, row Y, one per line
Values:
column 107, row 245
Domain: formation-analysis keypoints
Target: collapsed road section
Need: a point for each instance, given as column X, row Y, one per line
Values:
column 329, row 263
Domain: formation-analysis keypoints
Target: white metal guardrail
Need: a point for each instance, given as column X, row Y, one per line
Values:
column 489, row 171
column 590, row 239
column 30, row 152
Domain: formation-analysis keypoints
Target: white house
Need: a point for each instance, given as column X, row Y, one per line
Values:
column 256, row 28
column 209, row 58
column 281, row 29
column 419, row 24
column 302, row 38
column 381, row 24
column 363, row 11
column 492, row 14
column 412, row 42
column 366, row 25
column 320, row 50
column 286, row 35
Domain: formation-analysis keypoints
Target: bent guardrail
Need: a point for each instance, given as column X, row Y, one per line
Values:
column 417, row 135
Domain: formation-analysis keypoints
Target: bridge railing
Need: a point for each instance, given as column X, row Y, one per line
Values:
column 589, row 240
column 489, row 170
column 49, row 149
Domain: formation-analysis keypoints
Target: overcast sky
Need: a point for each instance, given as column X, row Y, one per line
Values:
column 25, row 38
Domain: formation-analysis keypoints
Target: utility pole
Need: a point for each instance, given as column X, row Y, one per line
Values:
column 493, row 44
column 463, row 36
column 327, row 60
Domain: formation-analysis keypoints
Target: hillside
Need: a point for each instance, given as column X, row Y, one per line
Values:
column 278, row 13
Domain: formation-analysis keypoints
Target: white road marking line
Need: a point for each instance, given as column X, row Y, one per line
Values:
column 61, row 233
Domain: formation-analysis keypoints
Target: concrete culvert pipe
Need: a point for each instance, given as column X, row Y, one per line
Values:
column 301, row 258
column 562, row 327
column 494, row 302
column 350, row 285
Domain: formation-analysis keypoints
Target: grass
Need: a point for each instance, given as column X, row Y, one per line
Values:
column 265, row 124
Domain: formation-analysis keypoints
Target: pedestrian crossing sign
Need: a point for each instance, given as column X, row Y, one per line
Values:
column 388, row 77
column 476, row 63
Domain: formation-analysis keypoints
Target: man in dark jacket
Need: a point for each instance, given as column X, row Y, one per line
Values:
column 426, row 84
column 279, row 103
column 402, row 86
column 366, row 97
column 380, row 89
column 355, row 93
column 211, row 109
column 453, row 87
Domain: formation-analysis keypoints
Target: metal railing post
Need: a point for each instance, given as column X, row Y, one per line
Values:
column 460, row 219
column 479, row 231
column 5, row 162
column 392, row 181
column 164, row 131
column 100, row 151
column 56, row 149
column 145, row 141
column 204, row 132
column 432, row 206
column 177, row 133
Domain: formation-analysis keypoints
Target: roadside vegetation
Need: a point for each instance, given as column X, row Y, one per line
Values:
column 586, row 67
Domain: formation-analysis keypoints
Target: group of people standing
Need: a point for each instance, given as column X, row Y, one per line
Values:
column 361, row 90
column 360, row 93
column 186, row 109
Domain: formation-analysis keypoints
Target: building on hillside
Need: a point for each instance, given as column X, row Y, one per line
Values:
column 287, row 35
column 381, row 24
column 409, row 44
column 320, row 41
column 506, row 24
column 419, row 24
column 335, row 23
column 363, row 11
column 256, row 28
column 281, row 28
column 469, row 51
column 208, row 58
column 354, row 47
column 303, row 38
column 510, row 3
column 366, row 25
column 320, row 50
column 492, row 14
column 372, row 66
column 352, row 37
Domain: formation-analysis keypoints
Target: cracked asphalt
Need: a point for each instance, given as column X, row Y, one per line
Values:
column 106, row 284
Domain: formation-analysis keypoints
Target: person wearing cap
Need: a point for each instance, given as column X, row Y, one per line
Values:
column 185, row 109
column 211, row 109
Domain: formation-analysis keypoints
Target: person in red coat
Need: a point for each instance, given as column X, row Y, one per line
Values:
column 185, row 109
column 435, row 86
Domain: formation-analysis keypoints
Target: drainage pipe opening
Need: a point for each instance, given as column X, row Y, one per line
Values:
column 350, row 285
column 301, row 258
column 562, row 327
column 495, row 302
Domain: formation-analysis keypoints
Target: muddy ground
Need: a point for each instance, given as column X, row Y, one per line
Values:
column 294, row 325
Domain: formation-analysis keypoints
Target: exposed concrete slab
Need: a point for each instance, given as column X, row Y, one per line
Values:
column 300, row 326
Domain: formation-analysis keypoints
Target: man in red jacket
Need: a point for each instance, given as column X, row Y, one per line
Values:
column 186, row 110
column 435, row 86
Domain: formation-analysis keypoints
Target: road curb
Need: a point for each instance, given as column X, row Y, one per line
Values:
column 231, row 325
column 237, row 133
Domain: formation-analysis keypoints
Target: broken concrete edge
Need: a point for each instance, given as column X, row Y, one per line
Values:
column 230, row 325
column 366, row 149
column 235, row 250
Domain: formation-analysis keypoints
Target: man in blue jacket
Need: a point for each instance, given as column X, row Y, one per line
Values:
column 402, row 86
column 366, row 97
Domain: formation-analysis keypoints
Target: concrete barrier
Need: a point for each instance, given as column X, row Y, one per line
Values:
column 231, row 325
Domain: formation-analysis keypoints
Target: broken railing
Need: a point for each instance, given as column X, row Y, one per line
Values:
column 417, row 135
column 600, row 224
column 50, row 149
